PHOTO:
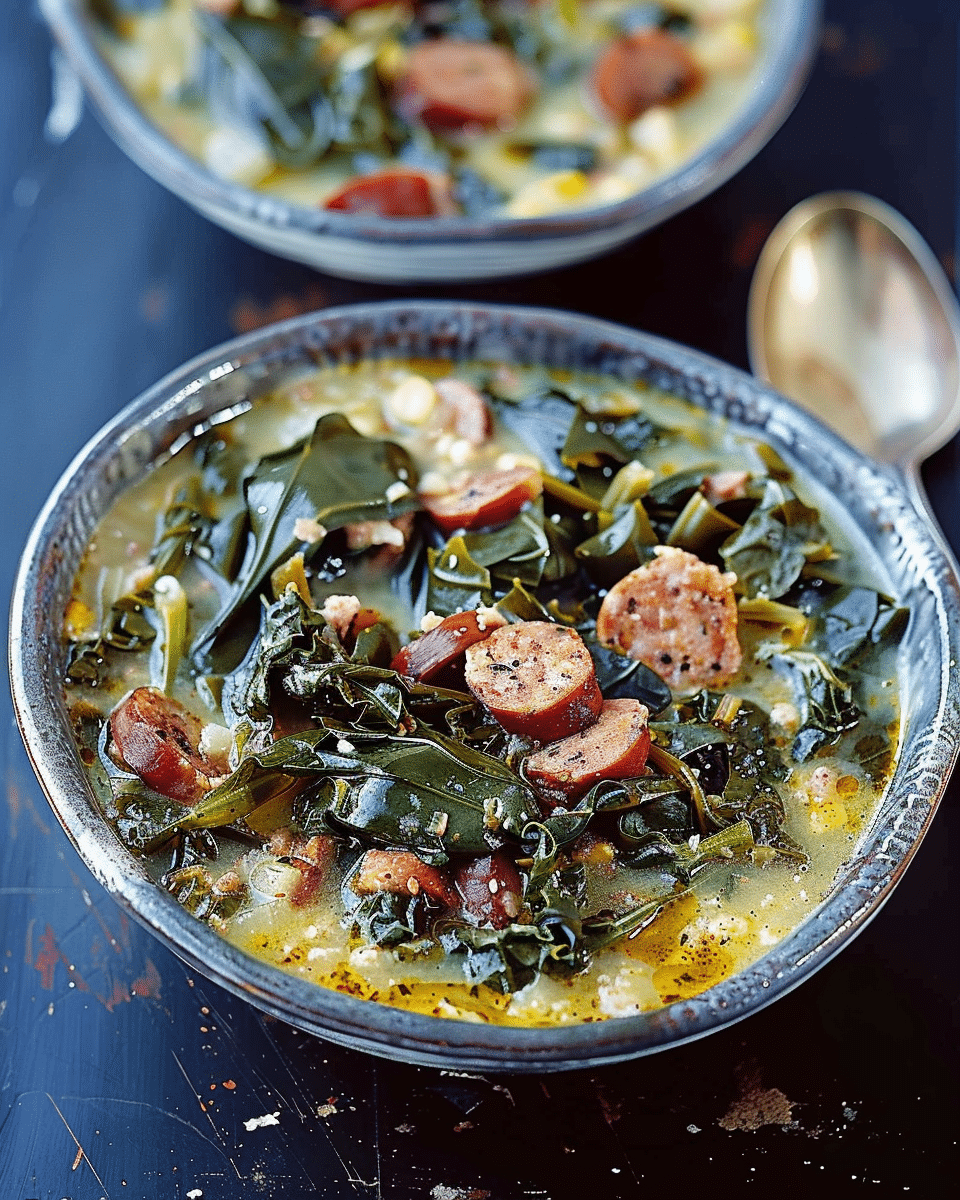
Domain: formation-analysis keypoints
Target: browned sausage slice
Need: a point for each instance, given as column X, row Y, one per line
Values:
column 314, row 859
column 615, row 746
column 491, row 888
column 678, row 615
column 536, row 678
column 450, row 83
column 485, row 498
column 401, row 872
column 464, row 410
column 642, row 69
column 159, row 740
column 344, row 8
column 396, row 193
column 427, row 656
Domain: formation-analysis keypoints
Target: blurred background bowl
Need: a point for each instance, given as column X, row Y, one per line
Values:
column 455, row 249
column 888, row 529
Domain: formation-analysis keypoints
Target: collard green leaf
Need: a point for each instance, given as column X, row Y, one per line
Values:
column 771, row 549
column 592, row 442
column 541, row 419
column 193, row 887
column 519, row 605
column 703, row 747
column 427, row 793
column 854, row 619
column 505, row 960
column 259, row 72
column 665, row 810
column 128, row 621
column 265, row 74
column 385, row 918
column 456, row 582
column 672, row 493
column 518, row 550
column 622, row 678
column 686, row 859
column 605, row 929
column 822, row 699
column 621, row 547
column 333, row 478
column 701, row 528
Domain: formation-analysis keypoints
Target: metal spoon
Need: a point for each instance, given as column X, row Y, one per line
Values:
column 851, row 315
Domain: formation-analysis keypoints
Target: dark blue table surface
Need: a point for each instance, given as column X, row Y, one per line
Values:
column 124, row 1074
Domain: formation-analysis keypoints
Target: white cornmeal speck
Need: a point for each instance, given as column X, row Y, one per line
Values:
column 363, row 956
column 396, row 490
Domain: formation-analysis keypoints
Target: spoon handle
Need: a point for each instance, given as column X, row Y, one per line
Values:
column 909, row 475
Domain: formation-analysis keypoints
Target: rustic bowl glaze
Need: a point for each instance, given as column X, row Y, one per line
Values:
column 888, row 528
column 454, row 249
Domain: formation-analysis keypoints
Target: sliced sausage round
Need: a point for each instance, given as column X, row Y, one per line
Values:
column 314, row 860
column 678, row 615
column 464, row 411
column 433, row 652
column 536, row 678
column 343, row 8
column 485, row 498
column 615, row 746
column 401, row 872
column 644, row 69
column 491, row 889
column 395, row 193
column 449, row 83
column 159, row 739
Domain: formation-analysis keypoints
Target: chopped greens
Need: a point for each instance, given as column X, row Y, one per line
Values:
column 365, row 779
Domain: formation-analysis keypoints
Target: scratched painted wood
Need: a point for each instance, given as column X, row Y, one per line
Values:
column 122, row 1073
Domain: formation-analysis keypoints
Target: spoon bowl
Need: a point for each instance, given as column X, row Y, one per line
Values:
column 851, row 315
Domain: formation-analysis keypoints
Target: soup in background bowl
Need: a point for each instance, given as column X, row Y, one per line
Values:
column 439, row 141
column 696, row 812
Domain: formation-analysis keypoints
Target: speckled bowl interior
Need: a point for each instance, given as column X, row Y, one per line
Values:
column 455, row 249
column 906, row 550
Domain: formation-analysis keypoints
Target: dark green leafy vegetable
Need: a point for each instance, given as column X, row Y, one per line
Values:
column 773, row 546
column 622, row 546
column 457, row 582
column 333, row 478
column 129, row 623
column 518, row 550
column 541, row 419
column 822, row 699
column 593, row 442
column 506, row 960
column 856, row 618
column 701, row 528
